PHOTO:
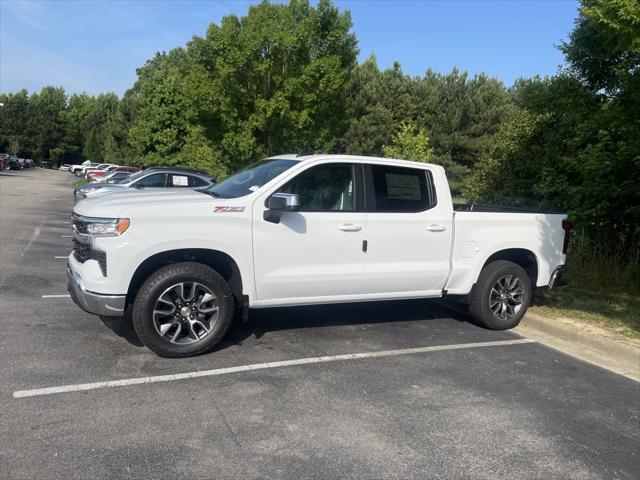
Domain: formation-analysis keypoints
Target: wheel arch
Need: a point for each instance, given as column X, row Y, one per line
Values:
column 520, row 256
column 221, row 262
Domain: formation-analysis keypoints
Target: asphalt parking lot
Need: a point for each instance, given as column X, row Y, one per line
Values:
column 464, row 403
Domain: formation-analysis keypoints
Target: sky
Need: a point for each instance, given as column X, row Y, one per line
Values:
column 95, row 46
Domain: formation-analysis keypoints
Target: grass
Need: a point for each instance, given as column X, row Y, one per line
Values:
column 79, row 183
column 598, row 291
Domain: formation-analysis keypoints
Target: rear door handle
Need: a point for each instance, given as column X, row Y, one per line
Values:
column 350, row 227
column 436, row 228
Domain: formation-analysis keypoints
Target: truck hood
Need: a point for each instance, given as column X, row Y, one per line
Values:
column 114, row 205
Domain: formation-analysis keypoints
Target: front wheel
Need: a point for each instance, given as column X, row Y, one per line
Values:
column 183, row 309
column 501, row 296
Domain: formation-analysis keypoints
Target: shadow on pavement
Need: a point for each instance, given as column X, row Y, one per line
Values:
column 262, row 321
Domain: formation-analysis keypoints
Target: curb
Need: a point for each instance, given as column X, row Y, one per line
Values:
column 570, row 337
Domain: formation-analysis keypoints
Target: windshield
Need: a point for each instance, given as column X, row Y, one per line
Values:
column 133, row 177
column 251, row 178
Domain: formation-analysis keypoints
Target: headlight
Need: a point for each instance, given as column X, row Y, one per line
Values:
column 84, row 191
column 108, row 227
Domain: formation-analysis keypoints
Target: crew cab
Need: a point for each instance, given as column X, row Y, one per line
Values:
column 302, row 230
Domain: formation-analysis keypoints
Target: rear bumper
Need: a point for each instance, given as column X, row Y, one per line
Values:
column 556, row 277
column 103, row 305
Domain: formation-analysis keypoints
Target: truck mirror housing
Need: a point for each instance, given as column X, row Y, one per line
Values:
column 279, row 203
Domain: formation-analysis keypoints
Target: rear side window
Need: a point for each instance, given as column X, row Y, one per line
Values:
column 399, row 189
column 197, row 182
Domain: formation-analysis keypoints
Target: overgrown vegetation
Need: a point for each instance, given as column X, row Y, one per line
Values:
column 285, row 77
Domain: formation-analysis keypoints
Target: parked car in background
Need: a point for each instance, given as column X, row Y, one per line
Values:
column 4, row 161
column 29, row 163
column 304, row 230
column 99, row 176
column 78, row 170
column 151, row 178
column 100, row 170
column 14, row 163
column 46, row 164
column 64, row 167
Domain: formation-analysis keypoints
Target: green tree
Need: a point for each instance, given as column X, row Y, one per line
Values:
column 272, row 81
column 409, row 143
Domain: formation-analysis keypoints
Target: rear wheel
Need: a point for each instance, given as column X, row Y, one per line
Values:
column 501, row 296
column 183, row 309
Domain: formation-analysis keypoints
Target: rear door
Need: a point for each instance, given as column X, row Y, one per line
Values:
column 408, row 232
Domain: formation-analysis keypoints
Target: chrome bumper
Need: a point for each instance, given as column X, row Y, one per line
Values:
column 555, row 280
column 103, row 305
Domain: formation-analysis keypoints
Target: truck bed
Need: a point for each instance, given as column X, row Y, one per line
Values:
column 471, row 207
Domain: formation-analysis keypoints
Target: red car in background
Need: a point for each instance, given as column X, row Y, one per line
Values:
column 94, row 175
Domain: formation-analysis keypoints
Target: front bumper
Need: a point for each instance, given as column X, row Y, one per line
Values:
column 103, row 305
column 556, row 277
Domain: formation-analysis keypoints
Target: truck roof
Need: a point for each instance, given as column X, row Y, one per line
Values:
column 317, row 156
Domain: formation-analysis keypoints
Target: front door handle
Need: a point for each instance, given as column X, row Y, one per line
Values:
column 350, row 227
column 436, row 228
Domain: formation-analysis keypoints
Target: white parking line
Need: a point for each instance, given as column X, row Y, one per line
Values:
column 57, row 296
column 257, row 366
column 61, row 256
column 66, row 236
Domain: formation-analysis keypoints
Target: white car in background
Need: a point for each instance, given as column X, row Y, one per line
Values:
column 77, row 169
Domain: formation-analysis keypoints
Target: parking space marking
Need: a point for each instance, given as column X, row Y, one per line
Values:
column 258, row 366
column 66, row 295
column 61, row 256
column 66, row 236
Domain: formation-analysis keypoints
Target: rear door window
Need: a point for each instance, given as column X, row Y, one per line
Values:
column 399, row 189
column 178, row 180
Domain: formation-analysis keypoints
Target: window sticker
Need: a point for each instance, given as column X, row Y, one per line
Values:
column 403, row 187
column 180, row 181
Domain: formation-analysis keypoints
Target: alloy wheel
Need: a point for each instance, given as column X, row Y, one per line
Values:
column 185, row 313
column 506, row 297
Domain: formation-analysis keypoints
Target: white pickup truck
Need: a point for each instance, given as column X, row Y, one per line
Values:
column 300, row 230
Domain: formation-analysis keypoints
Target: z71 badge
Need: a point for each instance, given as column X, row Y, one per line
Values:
column 224, row 209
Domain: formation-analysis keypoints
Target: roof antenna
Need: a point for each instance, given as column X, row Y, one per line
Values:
column 304, row 152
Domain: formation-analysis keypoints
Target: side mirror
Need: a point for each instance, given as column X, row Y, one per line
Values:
column 279, row 203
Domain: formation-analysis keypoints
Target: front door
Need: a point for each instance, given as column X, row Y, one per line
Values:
column 314, row 254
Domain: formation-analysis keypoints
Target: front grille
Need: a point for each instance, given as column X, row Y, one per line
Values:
column 79, row 225
column 83, row 252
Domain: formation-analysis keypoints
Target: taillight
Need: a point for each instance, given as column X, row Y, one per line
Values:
column 566, row 226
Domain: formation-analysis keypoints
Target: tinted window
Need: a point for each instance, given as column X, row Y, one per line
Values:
column 324, row 188
column 399, row 189
column 197, row 182
column 152, row 181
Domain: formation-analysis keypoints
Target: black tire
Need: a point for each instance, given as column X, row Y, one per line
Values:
column 480, row 306
column 78, row 173
column 158, row 282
